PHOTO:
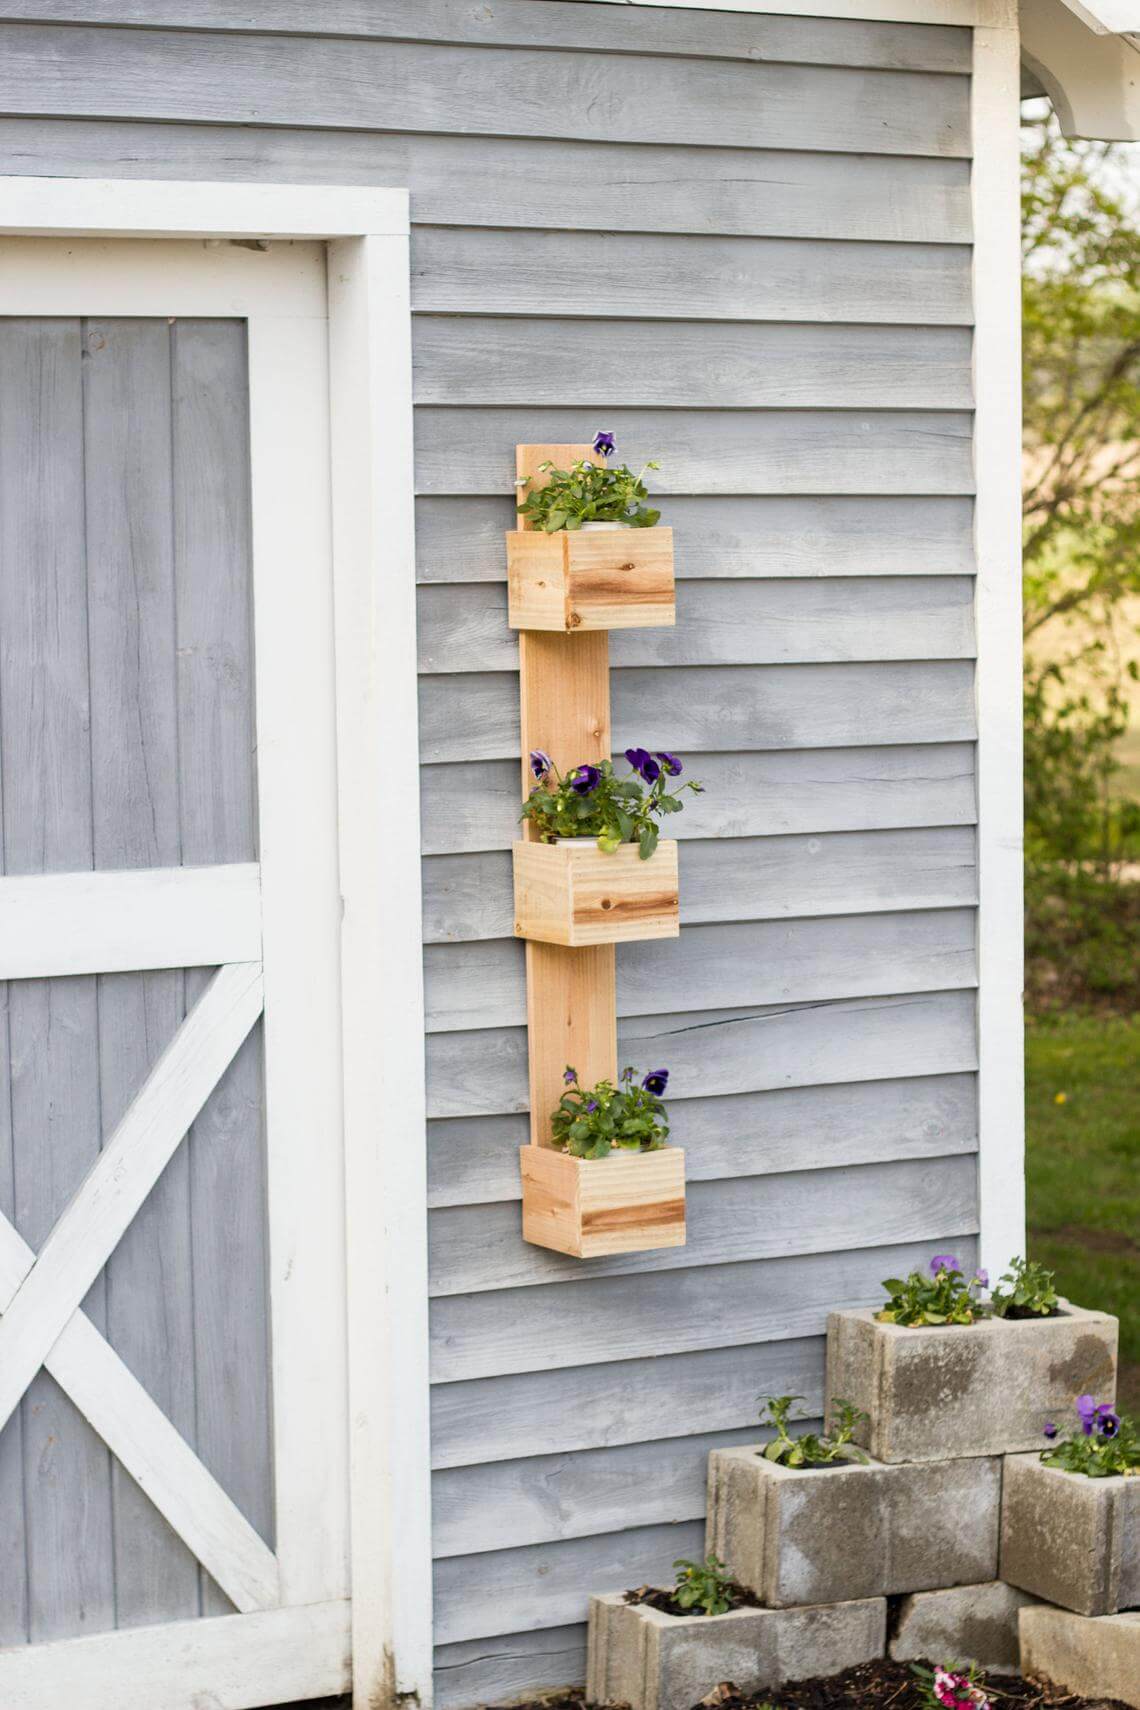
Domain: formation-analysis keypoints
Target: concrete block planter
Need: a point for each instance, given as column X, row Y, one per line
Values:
column 1094, row 1658
column 643, row 1657
column 970, row 1623
column 979, row 1389
column 1069, row 1539
column 832, row 1534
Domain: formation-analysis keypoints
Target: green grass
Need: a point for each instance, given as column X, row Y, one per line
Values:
column 1083, row 1111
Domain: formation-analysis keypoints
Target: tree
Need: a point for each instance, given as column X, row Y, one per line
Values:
column 1081, row 241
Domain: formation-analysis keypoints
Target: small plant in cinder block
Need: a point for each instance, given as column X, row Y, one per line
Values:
column 941, row 1373
column 657, row 1649
column 829, row 1530
column 1071, row 1516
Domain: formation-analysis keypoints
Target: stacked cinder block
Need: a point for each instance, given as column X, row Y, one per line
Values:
column 950, row 1415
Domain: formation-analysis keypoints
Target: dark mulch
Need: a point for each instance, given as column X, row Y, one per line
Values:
column 885, row 1685
column 736, row 1596
column 878, row 1685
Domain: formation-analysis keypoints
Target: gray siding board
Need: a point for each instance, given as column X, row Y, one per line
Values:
column 475, row 181
column 732, row 538
column 306, row 81
column 549, row 1584
column 520, row 23
column 468, row 897
column 600, row 274
column 468, row 809
column 514, row 1665
column 719, row 708
column 482, row 1072
column 512, row 1504
column 689, row 364
column 463, row 627
column 13, row 1532
column 474, row 1160
column 743, row 451
column 475, row 1248
column 724, row 964
column 624, row 1401
column 669, row 1312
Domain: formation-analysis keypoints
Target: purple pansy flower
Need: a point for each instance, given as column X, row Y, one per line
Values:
column 570, row 1075
column 603, row 444
column 642, row 761
column 943, row 1262
column 656, row 1081
column 1051, row 1430
column 584, row 780
column 1086, row 1410
column 540, row 763
column 593, row 1104
column 670, row 762
column 1107, row 1421
column 982, row 1278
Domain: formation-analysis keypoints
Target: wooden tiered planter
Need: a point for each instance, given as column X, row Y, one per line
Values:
column 573, row 904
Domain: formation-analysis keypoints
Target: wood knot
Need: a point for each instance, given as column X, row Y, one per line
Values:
column 627, row 566
column 575, row 619
column 607, row 902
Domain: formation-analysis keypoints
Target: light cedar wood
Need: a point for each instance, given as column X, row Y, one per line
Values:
column 572, row 992
column 591, row 1207
column 574, row 894
column 567, row 582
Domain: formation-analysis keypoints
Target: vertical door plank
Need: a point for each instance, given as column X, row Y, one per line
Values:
column 134, row 753
column 218, row 823
column 46, row 767
column 13, row 1539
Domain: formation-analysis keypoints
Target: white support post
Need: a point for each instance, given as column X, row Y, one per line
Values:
column 385, row 1102
column 997, row 451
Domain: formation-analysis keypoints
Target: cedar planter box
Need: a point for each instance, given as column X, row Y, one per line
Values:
column 571, row 580
column 650, row 1660
column 1069, row 1539
column 833, row 1534
column 977, row 1389
column 574, row 894
column 588, row 1207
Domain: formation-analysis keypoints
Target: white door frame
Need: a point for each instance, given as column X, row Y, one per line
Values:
column 377, row 785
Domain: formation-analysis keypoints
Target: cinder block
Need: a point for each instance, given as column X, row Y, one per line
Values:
column 1094, row 1658
column 832, row 1534
column 653, row 1661
column 969, row 1624
column 978, row 1389
column 1069, row 1539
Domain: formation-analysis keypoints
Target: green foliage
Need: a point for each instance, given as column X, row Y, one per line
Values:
column 589, row 492
column 1081, row 508
column 591, row 1122
column 811, row 1450
column 942, row 1297
column 1028, row 1291
column 613, row 810
column 1082, row 943
column 705, row 1585
column 1103, row 1444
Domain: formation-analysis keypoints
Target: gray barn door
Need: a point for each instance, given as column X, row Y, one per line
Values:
column 173, row 1434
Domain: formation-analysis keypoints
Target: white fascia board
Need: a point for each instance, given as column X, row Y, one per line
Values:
column 1107, row 17
column 1093, row 80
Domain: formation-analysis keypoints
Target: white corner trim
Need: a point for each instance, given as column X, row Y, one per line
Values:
column 997, row 535
column 378, row 786
column 995, row 13
column 1092, row 80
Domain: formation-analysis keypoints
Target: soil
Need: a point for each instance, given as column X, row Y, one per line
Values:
column 885, row 1685
column 736, row 1596
column 878, row 1685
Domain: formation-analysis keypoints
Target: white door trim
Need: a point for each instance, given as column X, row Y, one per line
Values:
column 377, row 789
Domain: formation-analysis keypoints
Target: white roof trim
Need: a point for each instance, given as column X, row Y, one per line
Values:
column 1092, row 79
column 1107, row 17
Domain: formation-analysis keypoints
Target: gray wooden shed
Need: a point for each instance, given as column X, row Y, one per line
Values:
column 773, row 246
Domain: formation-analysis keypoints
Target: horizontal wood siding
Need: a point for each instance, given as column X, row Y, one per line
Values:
column 741, row 243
